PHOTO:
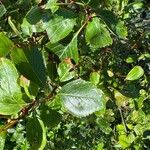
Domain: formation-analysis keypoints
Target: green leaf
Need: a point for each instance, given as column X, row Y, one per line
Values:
column 121, row 100
column 68, row 51
column 36, row 133
column 2, row 10
column 135, row 73
column 6, row 45
column 94, row 77
column 34, row 15
column 29, row 29
column 97, row 35
column 52, row 5
column 50, row 117
column 64, row 71
column 114, row 23
column 81, row 98
column 2, row 140
column 30, row 64
column 121, row 29
column 10, row 93
column 58, row 28
column 104, row 125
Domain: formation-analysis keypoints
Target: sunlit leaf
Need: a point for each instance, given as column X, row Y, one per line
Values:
column 10, row 93
column 64, row 71
column 81, row 98
column 52, row 5
column 58, row 28
column 135, row 73
column 97, row 35
column 68, row 51
column 6, row 45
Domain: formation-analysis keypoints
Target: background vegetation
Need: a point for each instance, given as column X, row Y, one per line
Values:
column 74, row 74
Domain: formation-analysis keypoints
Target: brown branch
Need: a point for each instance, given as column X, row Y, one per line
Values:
column 25, row 111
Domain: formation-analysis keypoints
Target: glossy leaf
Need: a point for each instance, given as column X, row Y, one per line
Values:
column 97, row 35
column 68, row 51
column 6, row 45
column 58, row 28
column 2, row 10
column 135, row 73
column 36, row 133
column 26, row 62
column 81, row 98
column 64, row 71
column 10, row 93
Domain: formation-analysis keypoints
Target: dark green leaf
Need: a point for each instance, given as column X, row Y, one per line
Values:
column 97, row 35
column 34, row 15
column 6, row 45
column 81, row 98
column 114, row 23
column 30, row 64
column 135, row 73
column 50, row 117
column 36, row 133
column 10, row 93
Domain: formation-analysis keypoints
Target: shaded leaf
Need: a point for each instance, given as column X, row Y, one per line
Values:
column 114, row 23
column 49, row 117
column 135, row 73
column 81, row 98
column 58, row 28
column 97, row 35
column 36, row 133
column 2, row 10
column 5, row 45
column 10, row 93
column 68, row 51
column 34, row 15
column 30, row 64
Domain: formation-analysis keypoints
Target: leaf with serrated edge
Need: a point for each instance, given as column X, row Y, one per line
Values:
column 81, row 98
column 97, row 35
column 10, row 93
